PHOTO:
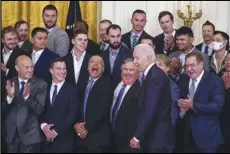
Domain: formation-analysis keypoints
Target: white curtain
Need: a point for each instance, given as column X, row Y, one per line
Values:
column 120, row 12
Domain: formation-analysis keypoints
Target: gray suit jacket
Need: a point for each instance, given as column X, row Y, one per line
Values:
column 22, row 116
column 205, row 58
column 58, row 41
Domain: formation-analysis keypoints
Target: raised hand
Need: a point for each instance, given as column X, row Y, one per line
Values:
column 10, row 89
column 26, row 91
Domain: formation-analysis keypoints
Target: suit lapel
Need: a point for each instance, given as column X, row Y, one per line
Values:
column 129, row 40
column 107, row 61
column 118, row 60
column 60, row 93
column 43, row 56
column 17, row 88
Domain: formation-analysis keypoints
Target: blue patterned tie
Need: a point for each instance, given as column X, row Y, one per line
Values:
column 54, row 94
column 116, row 105
column 135, row 41
column 88, row 89
column 192, row 88
column 206, row 50
column 22, row 87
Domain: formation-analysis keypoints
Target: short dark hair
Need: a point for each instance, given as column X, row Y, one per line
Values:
column 147, row 37
column 196, row 54
column 80, row 31
column 184, row 31
column 138, row 11
column 50, row 7
column 55, row 60
column 19, row 23
column 113, row 26
column 84, row 23
column 8, row 29
column 208, row 23
column 225, row 36
column 38, row 29
column 105, row 21
column 164, row 13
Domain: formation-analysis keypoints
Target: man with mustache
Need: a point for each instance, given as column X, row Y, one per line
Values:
column 92, row 128
column 208, row 30
column 124, row 110
column 115, row 54
column 58, row 40
column 103, row 25
column 132, row 38
column 23, row 106
column 22, row 28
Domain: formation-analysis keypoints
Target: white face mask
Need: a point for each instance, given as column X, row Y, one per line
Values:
column 218, row 46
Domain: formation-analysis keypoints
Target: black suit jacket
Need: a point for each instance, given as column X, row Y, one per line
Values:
column 83, row 76
column 92, row 48
column 97, row 114
column 22, row 115
column 126, row 38
column 63, row 114
column 126, row 121
column 159, row 44
column 27, row 46
column 154, row 128
column 123, row 53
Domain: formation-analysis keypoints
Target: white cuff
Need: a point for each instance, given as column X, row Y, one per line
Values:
column 43, row 125
column 182, row 114
column 7, row 71
column 136, row 139
column 26, row 97
column 9, row 100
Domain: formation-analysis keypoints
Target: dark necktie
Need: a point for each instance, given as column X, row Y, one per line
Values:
column 88, row 89
column 54, row 94
column 206, row 50
column 103, row 46
column 142, row 78
column 192, row 88
column 22, row 87
column 116, row 105
column 135, row 41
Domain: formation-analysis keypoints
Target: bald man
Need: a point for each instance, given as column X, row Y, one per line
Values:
column 92, row 130
column 23, row 106
column 154, row 131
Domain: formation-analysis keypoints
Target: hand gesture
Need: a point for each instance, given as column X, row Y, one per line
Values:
column 169, row 40
column 3, row 68
column 80, row 129
column 26, row 91
column 10, row 89
column 134, row 144
column 226, row 78
column 50, row 134
column 175, row 65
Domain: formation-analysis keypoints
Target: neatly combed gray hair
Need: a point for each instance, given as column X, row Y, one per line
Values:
column 147, row 50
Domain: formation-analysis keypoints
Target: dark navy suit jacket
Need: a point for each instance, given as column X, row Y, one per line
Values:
column 208, row 102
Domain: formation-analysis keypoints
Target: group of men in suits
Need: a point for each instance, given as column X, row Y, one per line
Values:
column 73, row 95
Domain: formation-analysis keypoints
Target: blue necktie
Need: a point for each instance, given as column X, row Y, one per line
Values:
column 135, row 41
column 206, row 50
column 22, row 87
column 116, row 105
column 88, row 89
column 54, row 94
column 192, row 88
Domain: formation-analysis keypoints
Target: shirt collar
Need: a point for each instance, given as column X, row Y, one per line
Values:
column 9, row 52
column 173, row 33
column 93, row 79
column 20, row 80
column 114, row 50
column 148, row 68
column 189, row 51
column 49, row 30
column 209, row 45
column 39, row 52
column 199, row 77
column 133, row 34
column 58, row 84
column 81, row 57
column 20, row 43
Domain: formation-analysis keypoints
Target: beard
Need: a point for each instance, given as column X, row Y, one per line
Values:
column 115, row 45
column 49, row 27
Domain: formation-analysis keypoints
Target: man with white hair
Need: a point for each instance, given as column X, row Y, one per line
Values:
column 154, row 131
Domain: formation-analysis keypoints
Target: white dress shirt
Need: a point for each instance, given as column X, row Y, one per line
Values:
column 215, row 61
column 6, row 57
column 9, row 100
column 196, row 85
column 210, row 48
column 77, row 65
column 20, row 44
column 59, row 85
column 115, row 95
column 36, row 55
